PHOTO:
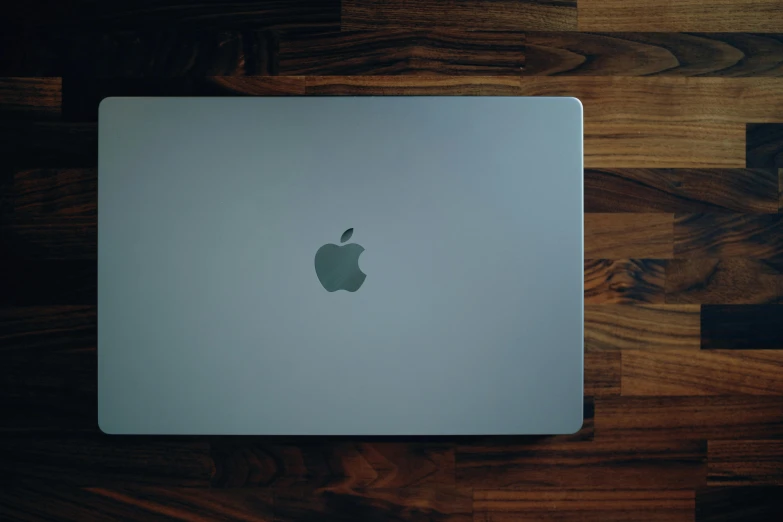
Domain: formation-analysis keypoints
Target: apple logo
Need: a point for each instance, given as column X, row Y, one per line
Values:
column 337, row 267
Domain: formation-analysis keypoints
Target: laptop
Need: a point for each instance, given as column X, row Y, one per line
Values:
column 340, row 266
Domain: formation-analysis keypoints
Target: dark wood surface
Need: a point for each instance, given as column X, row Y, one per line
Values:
column 683, row 256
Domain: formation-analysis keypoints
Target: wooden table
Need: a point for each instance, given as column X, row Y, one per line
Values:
column 684, row 245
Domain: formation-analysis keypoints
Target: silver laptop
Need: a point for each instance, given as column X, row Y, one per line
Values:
column 340, row 266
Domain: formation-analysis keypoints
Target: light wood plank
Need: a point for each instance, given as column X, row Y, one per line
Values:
column 702, row 372
column 682, row 15
column 619, row 236
column 648, row 327
column 713, row 417
column 666, row 122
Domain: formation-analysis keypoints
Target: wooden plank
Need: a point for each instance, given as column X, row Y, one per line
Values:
column 30, row 98
column 584, row 465
column 757, row 236
column 703, row 372
column 602, row 372
column 83, row 94
column 46, row 199
column 425, row 52
column 402, row 86
column 49, row 144
column 422, row 504
column 764, row 145
column 742, row 327
column 147, row 503
column 491, row 15
column 49, row 370
column 37, row 501
column 618, row 236
column 244, row 461
column 723, row 281
column 689, row 418
column 95, row 460
column 665, row 122
column 649, row 327
column 657, row 53
column 37, row 329
column 55, row 193
column 584, row 505
column 739, row 504
column 625, row 281
column 745, row 463
column 687, row 15
column 681, row 190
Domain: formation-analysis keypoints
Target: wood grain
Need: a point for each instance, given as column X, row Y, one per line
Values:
column 96, row 460
column 402, row 85
column 625, row 281
column 653, row 54
column 723, row 281
column 32, row 329
column 602, row 372
column 665, row 122
column 54, row 193
column 706, row 372
column 741, row 504
column 618, row 236
column 241, row 461
column 30, row 98
column 745, row 463
column 683, row 112
column 446, row 503
column 757, row 236
column 584, row 465
column 43, row 239
column 479, row 14
column 689, row 418
column 752, row 191
column 764, row 145
column 49, row 370
column 685, row 15
column 584, row 505
column 68, row 503
column 649, row 327
column 424, row 52
column 742, row 327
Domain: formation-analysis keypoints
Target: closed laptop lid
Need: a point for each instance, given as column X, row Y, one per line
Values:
column 340, row 266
